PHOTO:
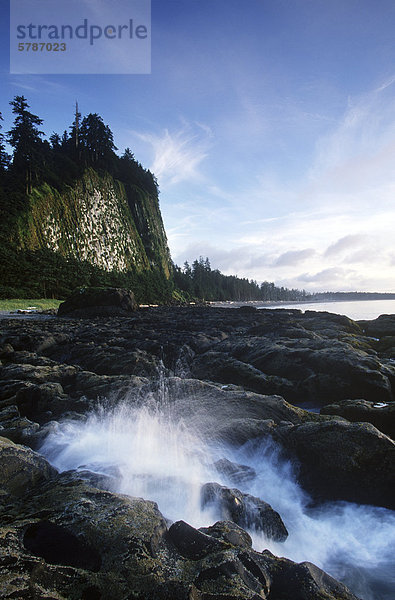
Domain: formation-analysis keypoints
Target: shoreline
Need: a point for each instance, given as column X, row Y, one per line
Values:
column 230, row 378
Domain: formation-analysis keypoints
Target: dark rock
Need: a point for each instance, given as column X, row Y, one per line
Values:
column 238, row 415
column 245, row 510
column 21, row 469
column 58, row 546
column 344, row 461
column 102, row 481
column 302, row 581
column 247, row 309
column 384, row 325
column 228, row 569
column 221, row 367
column 16, row 428
column 98, row 302
column 52, row 368
column 236, row 473
column 300, row 369
column 386, row 347
column 229, row 532
column 67, row 539
column 192, row 543
column 381, row 415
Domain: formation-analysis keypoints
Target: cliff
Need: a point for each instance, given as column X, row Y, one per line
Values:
column 97, row 220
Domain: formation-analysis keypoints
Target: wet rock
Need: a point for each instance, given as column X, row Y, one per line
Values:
column 192, row 543
column 379, row 414
column 245, row 510
column 229, row 532
column 303, row 369
column 21, row 469
column 221, row 367
column 344, row 461
column 62, row 538
column 310, row 581
column 384, row 325
column 236, row 473
column 218, row 577
column 52, row 368
column 386, row 347
column 16, row 428
column 98, row 302
column 58, row 546
column 238, row 415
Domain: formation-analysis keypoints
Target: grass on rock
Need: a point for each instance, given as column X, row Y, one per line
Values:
column 22, row 303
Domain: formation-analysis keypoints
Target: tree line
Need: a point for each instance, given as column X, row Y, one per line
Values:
column 200, row 281
column 88, row 142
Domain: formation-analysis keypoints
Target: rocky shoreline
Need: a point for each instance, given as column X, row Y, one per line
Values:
column 64, row 535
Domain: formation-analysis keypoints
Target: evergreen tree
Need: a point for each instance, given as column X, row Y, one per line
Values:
column 65, row 139
column 56, row 141
column 128, row 155
column 24, row 137
column 97, row 140
column 187, row 269
column 4, row 158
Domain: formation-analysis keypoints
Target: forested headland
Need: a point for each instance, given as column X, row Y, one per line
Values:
column 44, row 249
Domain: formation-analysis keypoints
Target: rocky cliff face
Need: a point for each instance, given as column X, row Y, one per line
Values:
column 99, row 221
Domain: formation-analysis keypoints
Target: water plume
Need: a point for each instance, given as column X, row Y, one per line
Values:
column 150, row 451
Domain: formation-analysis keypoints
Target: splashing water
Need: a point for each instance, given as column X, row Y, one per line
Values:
column 154, row 454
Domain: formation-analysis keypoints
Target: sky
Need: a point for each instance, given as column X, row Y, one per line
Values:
column 270, row 126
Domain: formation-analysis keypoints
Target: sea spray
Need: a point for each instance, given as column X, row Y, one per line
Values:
column 354, row 543
column 147, row 452
column 151, row 452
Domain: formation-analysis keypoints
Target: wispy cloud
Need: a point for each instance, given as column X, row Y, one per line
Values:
column 358, row 155
column 178, row 155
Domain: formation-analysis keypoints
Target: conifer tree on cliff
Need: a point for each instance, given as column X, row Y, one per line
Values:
column 24, row 137
column 97, row 141
column 4, row 158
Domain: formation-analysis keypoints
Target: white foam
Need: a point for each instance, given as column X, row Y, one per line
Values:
column 159, row 457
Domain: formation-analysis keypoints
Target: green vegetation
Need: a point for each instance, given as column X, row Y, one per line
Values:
column 200, row 281
column 22, row 304
column 52, row 191
column 48, row 244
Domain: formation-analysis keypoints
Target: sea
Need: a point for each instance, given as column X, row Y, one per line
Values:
column 357, row 310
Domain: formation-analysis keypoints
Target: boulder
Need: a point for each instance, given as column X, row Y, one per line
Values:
column 344, row 461
column 192, row 543
column 239, row 474
column 245, row 510
column 16, row 428
column 384, row 325
column 98, row 302
column 21, row 469
column 229, row 532
column 309, row 580
column 381, row 414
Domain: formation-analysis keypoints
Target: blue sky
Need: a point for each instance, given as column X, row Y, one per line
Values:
column 270, row 125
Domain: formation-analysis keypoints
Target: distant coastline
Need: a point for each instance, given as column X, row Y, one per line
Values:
column 354, row 308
